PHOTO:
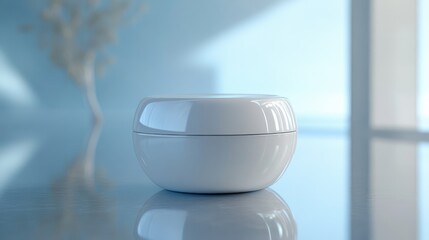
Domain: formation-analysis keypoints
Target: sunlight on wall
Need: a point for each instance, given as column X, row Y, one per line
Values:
column 298, row 49
column 422, row 64
column 13, row 157
column 13, row 87
column 423, row 114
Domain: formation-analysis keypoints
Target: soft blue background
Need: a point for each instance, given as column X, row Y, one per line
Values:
column 294, row 48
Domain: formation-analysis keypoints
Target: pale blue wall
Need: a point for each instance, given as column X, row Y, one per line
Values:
column 295, row 48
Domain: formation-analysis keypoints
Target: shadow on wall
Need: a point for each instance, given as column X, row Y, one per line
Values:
column 149, row 55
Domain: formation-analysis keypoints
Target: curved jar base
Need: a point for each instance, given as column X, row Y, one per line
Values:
column 214, row 164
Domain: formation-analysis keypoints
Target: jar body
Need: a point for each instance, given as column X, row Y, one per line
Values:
column 214, row 164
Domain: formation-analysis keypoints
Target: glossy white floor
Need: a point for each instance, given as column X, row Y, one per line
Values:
column 50, row 186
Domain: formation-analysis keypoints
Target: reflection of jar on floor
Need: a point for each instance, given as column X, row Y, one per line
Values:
column 255, row 215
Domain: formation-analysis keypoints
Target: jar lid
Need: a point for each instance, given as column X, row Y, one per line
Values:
column 214, row 115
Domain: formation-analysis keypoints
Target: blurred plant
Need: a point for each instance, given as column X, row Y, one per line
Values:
column 76, row 33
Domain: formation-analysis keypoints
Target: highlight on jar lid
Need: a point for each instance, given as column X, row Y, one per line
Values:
column 217, row 114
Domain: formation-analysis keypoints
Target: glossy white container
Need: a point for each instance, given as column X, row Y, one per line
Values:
column 251, row 216
column 214, row 143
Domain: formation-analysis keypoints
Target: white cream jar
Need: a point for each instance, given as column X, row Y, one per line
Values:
column 214, row 143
